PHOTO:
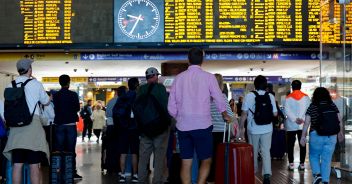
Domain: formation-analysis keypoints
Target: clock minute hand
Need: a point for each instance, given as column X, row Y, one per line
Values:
column 135, row 24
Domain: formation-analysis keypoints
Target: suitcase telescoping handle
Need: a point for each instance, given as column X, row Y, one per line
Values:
column 227, row 150
column 228, row 132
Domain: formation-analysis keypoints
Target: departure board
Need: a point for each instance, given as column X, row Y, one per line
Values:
column 42, row 24
column 146, row 23
column 48, row 22
column 251, row 21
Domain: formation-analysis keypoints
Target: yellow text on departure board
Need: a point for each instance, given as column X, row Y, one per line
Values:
column 46, row 21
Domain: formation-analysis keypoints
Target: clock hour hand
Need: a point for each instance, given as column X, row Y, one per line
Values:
column 134, row 17
column 135, row 24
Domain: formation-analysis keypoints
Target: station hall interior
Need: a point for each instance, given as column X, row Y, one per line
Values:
column 102, row 44
column 97, row 79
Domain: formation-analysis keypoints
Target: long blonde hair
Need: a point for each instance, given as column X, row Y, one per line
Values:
column 220, row 80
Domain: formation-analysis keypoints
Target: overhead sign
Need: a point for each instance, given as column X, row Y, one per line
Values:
column 112, row 79
column 133, row 56
column 211, row 55
column 39, row 56
column 271, row 79
column 56, row 79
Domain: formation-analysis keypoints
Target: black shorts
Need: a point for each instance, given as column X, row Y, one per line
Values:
column 128, row 142
column 27, row 156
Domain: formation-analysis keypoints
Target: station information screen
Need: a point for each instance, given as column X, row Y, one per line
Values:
column 171, row 22
column 43, row 22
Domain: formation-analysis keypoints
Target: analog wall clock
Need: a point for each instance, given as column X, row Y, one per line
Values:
column 138, row 19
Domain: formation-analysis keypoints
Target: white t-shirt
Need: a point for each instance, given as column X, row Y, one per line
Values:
column 249, row 103
column 34, row 93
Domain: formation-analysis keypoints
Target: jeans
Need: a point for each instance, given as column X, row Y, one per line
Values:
column 321, row 149
column 262, row 141
column 157, row 145
column 291, row 140
column 65, row 140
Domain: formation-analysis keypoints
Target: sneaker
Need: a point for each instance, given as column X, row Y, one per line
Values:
column 135, row 178
column 301, row 167
column 77, row 177
column 266, row 179
column 291, row 166
column 122, row 178
column 317, row 179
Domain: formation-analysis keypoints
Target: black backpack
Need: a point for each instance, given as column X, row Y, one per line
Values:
column 16, row 112
column 152, row 119
column 263, row 114
column 121, row 112
column 85, row 114
column 328, row 120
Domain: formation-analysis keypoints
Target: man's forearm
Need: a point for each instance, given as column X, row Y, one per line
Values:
column 243, row 119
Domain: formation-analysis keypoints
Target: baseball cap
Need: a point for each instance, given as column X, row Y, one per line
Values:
column 24, row 64
column 151, row 71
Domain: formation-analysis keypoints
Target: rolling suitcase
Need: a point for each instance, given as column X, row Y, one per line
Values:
column 278, row 144
column 25, row 173
column 61, row 168
column 237, row 166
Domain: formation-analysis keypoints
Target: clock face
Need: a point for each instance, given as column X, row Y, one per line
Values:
column 138, row 19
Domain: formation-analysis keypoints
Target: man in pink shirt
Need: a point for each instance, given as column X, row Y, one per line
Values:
column 189, row 104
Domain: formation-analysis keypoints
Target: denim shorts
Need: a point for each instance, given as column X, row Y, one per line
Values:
column 200, row 141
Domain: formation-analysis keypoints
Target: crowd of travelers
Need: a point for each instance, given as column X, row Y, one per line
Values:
column 190, row 119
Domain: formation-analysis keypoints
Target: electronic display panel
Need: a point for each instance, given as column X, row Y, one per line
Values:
column 170, row 23
column 46, row 22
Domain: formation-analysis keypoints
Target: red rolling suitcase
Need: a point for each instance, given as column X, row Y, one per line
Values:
column 237, row 166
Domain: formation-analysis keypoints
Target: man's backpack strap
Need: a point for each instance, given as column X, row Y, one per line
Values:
column 25, row 83
column 14, row 84
column 256, row 94
column 35, row 107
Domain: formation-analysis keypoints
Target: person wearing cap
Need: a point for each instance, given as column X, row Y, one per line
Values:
column 189, row 103
column 158, row 144
column 27, row 144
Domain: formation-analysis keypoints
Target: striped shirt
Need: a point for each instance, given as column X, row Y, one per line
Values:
column 312, row 111
column 216, row 116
